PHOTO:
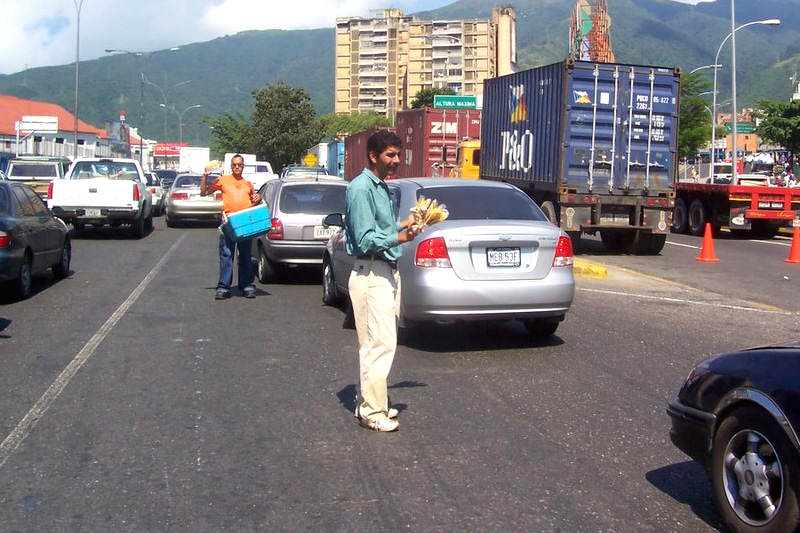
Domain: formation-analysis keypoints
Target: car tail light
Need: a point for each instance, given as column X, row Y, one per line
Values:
column 563, row 256
column 218, row 195
column 152, row 190
column 276, row 232
column 4, row 239
column 180, row 196
column 50, row 191
column 135, row 193
column 432, row 253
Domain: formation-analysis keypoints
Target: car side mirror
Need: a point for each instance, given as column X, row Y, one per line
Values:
column 334, row 219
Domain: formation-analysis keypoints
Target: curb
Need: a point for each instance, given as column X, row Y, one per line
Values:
column 585, row 269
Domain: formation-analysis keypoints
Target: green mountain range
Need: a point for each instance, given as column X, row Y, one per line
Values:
column 225, row 70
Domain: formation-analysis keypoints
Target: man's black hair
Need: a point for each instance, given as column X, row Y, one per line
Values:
column 237, row 155
column 381, row 140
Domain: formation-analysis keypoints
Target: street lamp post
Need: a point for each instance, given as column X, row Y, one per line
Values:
column 164, row 92
column 180, row 117
column 767, row 22
column 78, row 6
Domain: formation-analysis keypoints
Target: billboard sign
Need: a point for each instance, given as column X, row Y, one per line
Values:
column 38, row 124
column 169, row 149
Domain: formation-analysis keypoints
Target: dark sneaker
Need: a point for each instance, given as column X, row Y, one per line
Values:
column 249, row 292
column 222, row 294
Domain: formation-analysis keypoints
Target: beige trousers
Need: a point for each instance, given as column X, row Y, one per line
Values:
column 375, row 294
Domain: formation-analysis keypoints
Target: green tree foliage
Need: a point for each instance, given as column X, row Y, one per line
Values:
column 695, row 120
column 424, row 98
column 230, row 133
column 337, row 126
column 780, row 123
column 283, row 124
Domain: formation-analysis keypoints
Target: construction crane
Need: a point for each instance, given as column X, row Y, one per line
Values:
column 590, row 32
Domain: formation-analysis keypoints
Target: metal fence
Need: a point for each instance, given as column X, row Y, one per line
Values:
column 65, row 149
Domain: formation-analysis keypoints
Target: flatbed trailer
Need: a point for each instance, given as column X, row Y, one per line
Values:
column 757, row 210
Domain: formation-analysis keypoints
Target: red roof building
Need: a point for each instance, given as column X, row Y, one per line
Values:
column 12, row 109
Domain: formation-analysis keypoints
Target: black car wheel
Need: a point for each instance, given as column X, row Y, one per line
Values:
column 24, row 277
column 541, row 328
column 755, row 473
column 61, row 269
column 266, row 270
column 330, row 295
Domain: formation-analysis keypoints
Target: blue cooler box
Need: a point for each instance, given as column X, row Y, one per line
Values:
column 247, row 223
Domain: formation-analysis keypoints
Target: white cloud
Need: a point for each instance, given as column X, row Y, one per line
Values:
column 30, row 38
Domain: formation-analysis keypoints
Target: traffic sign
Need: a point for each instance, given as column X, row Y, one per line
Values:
column 449, row 101
column 310, row 160
column 741, row 127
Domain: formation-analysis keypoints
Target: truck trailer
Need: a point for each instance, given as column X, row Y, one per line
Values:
column 594, row 144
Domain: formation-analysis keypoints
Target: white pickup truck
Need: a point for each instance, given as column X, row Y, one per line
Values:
column 100, row 191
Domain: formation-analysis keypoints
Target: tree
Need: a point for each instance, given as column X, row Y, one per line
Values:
column 695, row 120
column 230, row 133
column 780, row 123
column 283, row 124
column 336, row 126
column 424, row 98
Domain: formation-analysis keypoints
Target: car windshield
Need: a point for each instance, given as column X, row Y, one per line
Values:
column 312, row 199
column 33, row 170
column 167, row 177
column 489, row 203
column 104, row 169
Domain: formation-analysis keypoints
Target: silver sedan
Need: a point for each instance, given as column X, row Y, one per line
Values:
column 495, row 257
column 184, row 201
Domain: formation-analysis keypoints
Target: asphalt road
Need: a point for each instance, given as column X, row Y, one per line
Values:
column 130, row 400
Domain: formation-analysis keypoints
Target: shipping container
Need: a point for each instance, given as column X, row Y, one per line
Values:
column 594, row 144
column 430, row 139
column 355, row 152
column 336, row 158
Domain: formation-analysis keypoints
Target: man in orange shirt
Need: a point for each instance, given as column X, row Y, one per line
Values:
column 237, row 194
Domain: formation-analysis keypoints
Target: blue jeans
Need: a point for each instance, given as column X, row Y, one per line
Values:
column 226, row 249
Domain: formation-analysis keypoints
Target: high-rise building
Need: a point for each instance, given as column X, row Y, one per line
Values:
column 383, row 62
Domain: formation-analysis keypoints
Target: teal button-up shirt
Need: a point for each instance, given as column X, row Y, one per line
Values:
column 370, row 224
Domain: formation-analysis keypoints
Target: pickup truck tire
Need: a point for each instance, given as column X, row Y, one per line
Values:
column 149, row 223
column 697, row 217
column 139, row 229
column 680, row 216
column 24, row 278
column 61, row 269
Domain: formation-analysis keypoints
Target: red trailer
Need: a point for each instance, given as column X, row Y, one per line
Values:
column 752, row 206
column 430, row 139
column 355, row 152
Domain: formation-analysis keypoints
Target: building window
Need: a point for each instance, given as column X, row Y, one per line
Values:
column 81, row 142
column 59, row 140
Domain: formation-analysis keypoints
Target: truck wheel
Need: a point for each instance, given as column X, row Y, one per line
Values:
column 647, row 243
column 697, row 217
column 612, row 240
column 763, row 229
column 680, row 216
column 149, row 223
column 550, row 211
column 575, row 237
column 139, row 229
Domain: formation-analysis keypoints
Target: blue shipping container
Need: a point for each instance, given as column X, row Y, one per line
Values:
column 604, row 128
column 336, row 158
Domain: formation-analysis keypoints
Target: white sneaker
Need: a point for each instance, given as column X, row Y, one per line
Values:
column 391, row 413
column 381, row 424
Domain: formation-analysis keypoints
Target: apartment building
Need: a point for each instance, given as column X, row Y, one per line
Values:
column 383, row 62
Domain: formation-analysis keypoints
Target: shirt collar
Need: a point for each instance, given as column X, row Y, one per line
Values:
column 372, row 176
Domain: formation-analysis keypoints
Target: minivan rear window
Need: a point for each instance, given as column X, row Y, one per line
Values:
column 484, row 203
column 312, row 199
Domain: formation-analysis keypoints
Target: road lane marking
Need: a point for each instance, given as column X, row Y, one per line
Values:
column 29, row 421
column 787, row 244
column 683, row 245
column 688, row 302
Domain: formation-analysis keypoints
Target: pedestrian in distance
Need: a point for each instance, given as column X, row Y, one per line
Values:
column 373, row 237
column 237, row 194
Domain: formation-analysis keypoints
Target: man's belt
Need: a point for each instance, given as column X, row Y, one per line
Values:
column 375, row 257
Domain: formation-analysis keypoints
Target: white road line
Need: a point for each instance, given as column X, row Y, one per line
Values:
column 683, row 301
column 787, row 244
column 683, row 245
column 29, row 421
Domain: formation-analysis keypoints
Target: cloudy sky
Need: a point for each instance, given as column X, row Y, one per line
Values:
column 42, row 32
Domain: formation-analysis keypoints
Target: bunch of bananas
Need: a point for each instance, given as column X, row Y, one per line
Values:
column 213, row 164
column 428, row 211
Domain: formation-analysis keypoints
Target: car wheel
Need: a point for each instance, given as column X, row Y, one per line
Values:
column 754, row 472
column 697, row 217
column 541, row 328
column 61, row 269
column 24, row 277
column 139, row 229
column 680, row 216
column 149, row 223
column 330, row 294
column 170, row 221
column 266, row 270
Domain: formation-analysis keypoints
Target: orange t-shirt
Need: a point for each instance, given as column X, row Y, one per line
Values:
column 235, row 193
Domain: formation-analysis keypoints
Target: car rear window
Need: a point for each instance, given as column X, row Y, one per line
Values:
column 33, row 170
column 191, row 180
column 104, row 169
column 490, row 203
column 313, row 199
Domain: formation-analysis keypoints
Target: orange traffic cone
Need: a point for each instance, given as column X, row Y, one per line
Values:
column 707, row 251
column 794, row 251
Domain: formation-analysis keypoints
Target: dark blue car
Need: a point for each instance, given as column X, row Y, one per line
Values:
column 31, row 238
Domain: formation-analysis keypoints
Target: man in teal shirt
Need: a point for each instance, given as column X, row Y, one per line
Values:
column 373, row 236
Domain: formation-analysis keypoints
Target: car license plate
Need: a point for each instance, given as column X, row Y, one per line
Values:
column 92, row 212
column 503, row 257
column 323, row 232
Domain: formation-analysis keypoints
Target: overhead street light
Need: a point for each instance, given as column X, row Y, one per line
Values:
column 180, row 117
column 164, row 93
column 704, row 67
column 734, row 29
